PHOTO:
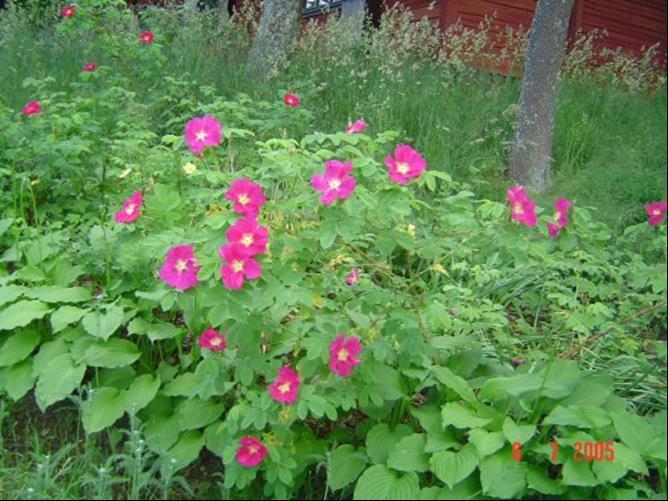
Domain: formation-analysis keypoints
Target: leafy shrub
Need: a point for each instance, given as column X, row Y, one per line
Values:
column 470, row 325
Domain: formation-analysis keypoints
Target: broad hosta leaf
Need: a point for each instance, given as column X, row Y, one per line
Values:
column 103, row 409
column 141, row 392
column 455, row 383
column 538, row 480
column 47, row 352
column 162, row 432
column 517, row 433
column 635, row 431
column 18, row 346
column 18, row 379
column 64, row 316
column 378, row 482
column 578, row 415
column 111, row 353
column 155, row 331
column 453, row 467
column 500, row 387
column 9, row 293
column 501, row 476
column 345, row 465
column 103, row 325
column 186, row 450
column 486, row 442
column 578, row 473
column 454, row 414
column 409, row 455
column 196, row 413
column 22, row 313
column 55, row 294
column 181, row 386
column 381, row 440
column 57, row 380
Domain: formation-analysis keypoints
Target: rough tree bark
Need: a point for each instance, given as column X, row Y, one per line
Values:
column 531, row 152
column 278, row 29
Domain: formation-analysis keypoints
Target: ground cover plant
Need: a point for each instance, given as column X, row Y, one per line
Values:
column 215, row 290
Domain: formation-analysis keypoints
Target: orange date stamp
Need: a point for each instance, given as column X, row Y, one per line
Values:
column 584, row 451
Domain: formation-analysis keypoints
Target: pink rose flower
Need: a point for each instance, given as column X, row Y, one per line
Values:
column 180, row 268
column 336, row 182
column 203, row 132
column 90, row 67
column 656, row 212
column 68, row 11
column 239, row 266
column 247, row 197
column 286, row 385
column 212, row 340
column 523, row 209
column 291, row 100
column 131, row 209
column 250, row 234
column 251, row 452
column 146, row 37
column 357, row 127
column 353, row 277
column 561, row 208
column 32, row 108
column 406, row 164
column 343, row 355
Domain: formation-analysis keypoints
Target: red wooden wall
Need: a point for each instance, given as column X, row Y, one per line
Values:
column 630, row 24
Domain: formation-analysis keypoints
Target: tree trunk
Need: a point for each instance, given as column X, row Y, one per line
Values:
column 531, row 151
column 278, row 29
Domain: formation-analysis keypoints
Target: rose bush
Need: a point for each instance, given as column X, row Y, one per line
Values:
column 289, row 298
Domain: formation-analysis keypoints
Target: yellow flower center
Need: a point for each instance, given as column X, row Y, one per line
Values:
column 403, row 168
column 189, row 168
column 343, row 355
column 130, row 209
column 517, row 208
column 237, row 266
column 243, row 199
column 247, row 239
column 181, row 265
column 201, row 135
column 656, row 212
column 216, row 341
column 284, row 388
column 252, row 449
column 334, row 184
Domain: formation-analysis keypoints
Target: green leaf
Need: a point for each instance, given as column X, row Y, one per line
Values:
column 18, row 346
column 21, row 314
column 497, row 388
column 345, row 465
column 162, row 432
column 635, row 431
column 578, row 473
column 327, row 235
column 64, row 316
column 517, row 433
column 181, row 386
column 486, row 442
column 455, row 383
column 453, row 467
column 155, row 331
column 408, row 454
column 501, row 476
column 19, row 379
column 141, row 392
column 60, row 377
column 578, row 415
column 103, row 409
column 111, row 353
column 538, row 480
column 377, row 482
column 9, row 293
column 196, row 413
column 56, row 294
column 103, row 325
column 380, row 440
column 455, row 414
column 186, row 450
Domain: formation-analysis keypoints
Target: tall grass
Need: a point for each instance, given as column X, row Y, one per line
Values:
column 609, row 145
